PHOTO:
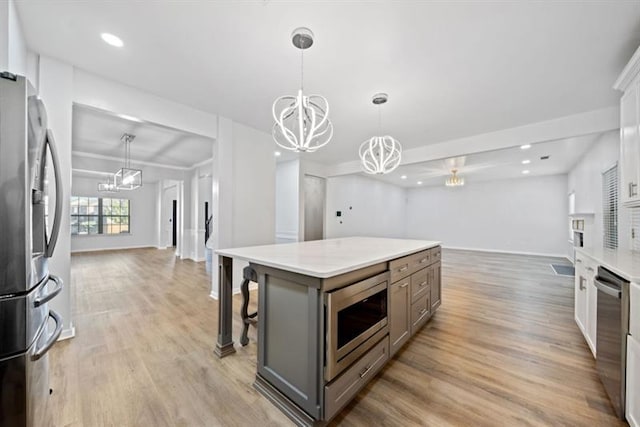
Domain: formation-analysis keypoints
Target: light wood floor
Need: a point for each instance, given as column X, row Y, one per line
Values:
column 503, row 349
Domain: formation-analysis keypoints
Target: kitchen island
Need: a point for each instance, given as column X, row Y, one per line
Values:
column 331, row 314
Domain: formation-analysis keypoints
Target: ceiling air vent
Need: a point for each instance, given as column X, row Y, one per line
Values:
column 544, row 158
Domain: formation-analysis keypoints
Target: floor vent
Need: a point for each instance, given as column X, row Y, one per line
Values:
column 563, row 270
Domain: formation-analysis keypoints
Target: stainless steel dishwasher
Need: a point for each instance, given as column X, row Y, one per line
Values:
column 611, row 335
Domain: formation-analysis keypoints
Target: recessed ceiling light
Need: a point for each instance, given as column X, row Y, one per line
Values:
column 526, row 172
column 112, row 40
column 526, row 162
column 525, row 146
column 419, row 182
column 403, row 177
column 277, row 154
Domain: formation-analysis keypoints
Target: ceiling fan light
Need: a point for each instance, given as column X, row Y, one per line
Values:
column 454, row 180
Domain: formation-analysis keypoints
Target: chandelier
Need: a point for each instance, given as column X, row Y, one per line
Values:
column 454, row 180
column 127, row 178
column 302, row 121
column 109, row 185
column 380, row 154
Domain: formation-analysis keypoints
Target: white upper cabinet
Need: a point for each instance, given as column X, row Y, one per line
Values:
column 629, row 83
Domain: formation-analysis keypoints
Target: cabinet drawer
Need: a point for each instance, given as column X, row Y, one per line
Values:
column 340, row 391
column 400, row 268
column 435, row 254
column 420, row 260
column 420, row 312
column 419, row 284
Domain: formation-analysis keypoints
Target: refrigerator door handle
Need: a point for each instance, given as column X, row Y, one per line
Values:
column 55, row 229
column 49, row 296
column 52, row 339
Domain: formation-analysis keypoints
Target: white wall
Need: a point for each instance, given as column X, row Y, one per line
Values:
column 377, row 208
column 13, row 48
column 527, row 215
column 243, row 191
column 585, row 180
column 143, row 217
column 56, row 91
column 287, row 201
column 17, row 50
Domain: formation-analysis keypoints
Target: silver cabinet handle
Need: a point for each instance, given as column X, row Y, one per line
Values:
column 57, row 219
column 405, row 268
column 578, row 260
column 582, row 280
column 423, row 260
column 52, row 338
column 633, row 189
column 404, row 285
column 366, row 371
column 422, row 284
column 590, row 269
column 423, row 311
column 49, row 296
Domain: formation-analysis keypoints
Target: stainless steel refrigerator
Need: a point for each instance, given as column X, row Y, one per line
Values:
column 28, row 235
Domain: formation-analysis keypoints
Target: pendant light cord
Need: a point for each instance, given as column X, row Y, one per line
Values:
column 302, row 68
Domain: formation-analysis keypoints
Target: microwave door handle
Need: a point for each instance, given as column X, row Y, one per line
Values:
column 55, row 229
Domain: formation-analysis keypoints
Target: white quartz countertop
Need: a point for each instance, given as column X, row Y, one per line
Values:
column 331, row 257
column 623, row 263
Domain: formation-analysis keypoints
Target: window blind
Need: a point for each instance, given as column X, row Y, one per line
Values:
column 610, row 207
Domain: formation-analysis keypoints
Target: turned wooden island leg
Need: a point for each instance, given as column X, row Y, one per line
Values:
column 224, row 346
column 249, row 275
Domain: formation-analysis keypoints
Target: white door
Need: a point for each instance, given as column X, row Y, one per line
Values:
column 314, row 200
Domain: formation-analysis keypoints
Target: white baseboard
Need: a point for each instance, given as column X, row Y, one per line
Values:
column 67, row 333
column 117, row 248
column 161, row 247
column 499, row 251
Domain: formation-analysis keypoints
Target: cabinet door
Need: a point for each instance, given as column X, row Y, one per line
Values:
column 435, row 280
column 630, row 145
column 592, row 314
column 633, row 381
column 399, row 317
column 581, row 302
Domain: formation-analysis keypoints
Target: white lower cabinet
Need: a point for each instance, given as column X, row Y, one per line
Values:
column 581, row 302
column 586, row 299
column 633, row 381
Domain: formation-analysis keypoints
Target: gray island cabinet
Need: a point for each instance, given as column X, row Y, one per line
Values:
column 331, row 314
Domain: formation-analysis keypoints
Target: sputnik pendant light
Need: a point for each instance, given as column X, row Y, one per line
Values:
column 128, row 178
column 301, row 122
column 380, row 154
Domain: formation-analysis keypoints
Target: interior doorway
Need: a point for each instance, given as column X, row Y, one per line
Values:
column 174, row 225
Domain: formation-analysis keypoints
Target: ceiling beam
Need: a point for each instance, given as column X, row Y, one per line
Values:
column 597, row 121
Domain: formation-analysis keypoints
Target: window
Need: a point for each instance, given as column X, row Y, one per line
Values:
column 93, row 215
column 610, row 207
